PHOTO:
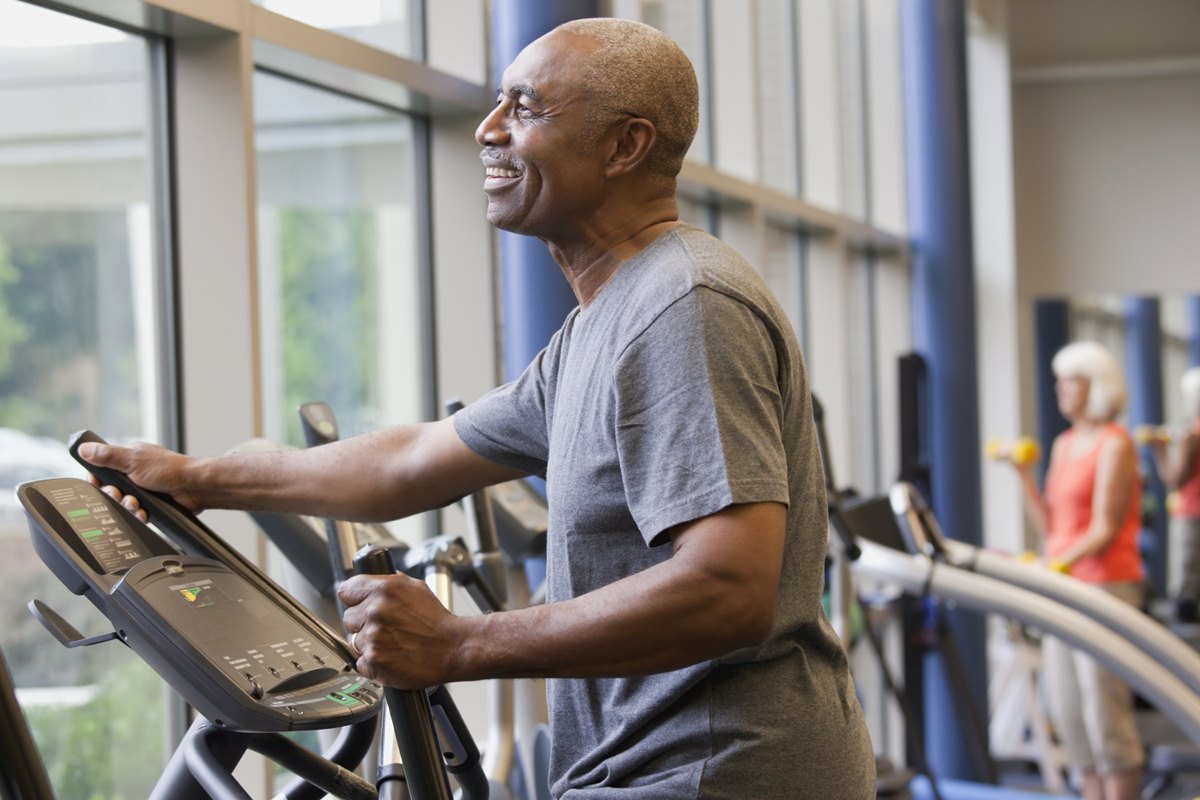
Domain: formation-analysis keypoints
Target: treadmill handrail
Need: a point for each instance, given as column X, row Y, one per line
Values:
column 1142, row 630
column 917, row 574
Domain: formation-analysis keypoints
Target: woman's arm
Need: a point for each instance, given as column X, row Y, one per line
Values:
column 1036, row 509
column 1176, row 471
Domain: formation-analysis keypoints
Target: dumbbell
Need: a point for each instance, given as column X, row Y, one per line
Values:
column 1054, row 565
column 1149, row 434
column 1022, row 451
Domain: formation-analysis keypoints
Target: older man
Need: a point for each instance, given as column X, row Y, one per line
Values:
column 688, row 651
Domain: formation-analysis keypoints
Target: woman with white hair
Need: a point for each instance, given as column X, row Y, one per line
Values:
column 1089, row 517
column 1182, row 474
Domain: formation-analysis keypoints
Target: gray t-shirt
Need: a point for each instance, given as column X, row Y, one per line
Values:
column 681, row 390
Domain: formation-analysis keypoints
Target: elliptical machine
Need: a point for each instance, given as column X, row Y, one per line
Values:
column 247, row 656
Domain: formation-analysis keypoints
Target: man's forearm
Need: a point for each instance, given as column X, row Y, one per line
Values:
column 350, row 479
column 715, row 594
column 661, row 619
column 382, row 475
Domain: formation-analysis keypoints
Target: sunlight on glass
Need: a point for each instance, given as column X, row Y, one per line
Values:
column 23, row 25
column 78, row 348
column 384, row 24
column 324, row 14
column 339, row 260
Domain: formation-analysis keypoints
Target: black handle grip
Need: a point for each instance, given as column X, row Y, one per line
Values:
column 467, row 764
column 412, row 717
column 373, row 560
column 849, row 545
column 106, row 475
column 318, row 423
column 160, row 508
column 454, row 736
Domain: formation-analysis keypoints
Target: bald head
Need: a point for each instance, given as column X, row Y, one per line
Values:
column 638, row 70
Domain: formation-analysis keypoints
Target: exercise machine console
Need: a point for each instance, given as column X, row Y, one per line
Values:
column 237, row 651
column 234, row 653
column 250, row 659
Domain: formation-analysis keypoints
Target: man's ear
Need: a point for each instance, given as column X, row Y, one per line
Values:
column 631, row 143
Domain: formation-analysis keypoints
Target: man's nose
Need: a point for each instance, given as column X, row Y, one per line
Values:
column 492, row 129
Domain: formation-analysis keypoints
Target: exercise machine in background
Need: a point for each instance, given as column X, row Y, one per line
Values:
column 885, row 555
column 22, row 772
column 506, row 525
column 1168, row 761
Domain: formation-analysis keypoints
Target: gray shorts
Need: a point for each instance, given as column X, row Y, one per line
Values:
column 1091, row 708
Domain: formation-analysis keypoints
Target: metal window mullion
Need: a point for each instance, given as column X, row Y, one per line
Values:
column 426, row 287
column 166, row 323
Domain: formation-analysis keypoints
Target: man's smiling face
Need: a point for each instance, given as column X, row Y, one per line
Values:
column 542, row 178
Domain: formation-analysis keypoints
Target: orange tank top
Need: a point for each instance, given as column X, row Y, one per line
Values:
column 1189, row 490
column 1070, row 484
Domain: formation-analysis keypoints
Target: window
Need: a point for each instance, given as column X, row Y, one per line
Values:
column 852, row 105
column 686, row 22
column 783, row 270
column 340, row 274
column 392, row 25
column 79, row 347
column 698, row 213
column 778, row 107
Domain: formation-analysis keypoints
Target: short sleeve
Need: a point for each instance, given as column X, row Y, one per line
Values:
column 509, row 425
column 699, row 413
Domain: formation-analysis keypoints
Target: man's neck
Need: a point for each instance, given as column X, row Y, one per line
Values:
column 592, row 262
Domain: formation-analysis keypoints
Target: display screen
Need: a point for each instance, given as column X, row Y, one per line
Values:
column 103, row 532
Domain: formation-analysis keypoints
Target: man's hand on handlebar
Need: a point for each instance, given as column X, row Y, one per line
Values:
column 402, row 635
column 148, row 465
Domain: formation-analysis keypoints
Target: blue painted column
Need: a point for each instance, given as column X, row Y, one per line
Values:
column 1193, row 327
column 1052, row 332
column 534, row 296
column 939, row 210
column 1143, row 372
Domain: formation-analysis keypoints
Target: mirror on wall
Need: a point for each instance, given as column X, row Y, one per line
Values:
column 1118, row 322
column 1155, row 339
